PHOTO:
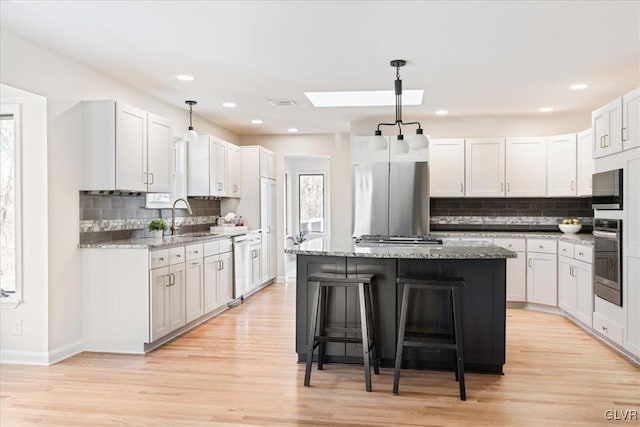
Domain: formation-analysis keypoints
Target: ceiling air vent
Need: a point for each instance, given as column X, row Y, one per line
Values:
column 282, row 102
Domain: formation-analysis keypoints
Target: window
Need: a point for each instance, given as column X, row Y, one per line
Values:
column 9, row 201
column 311, row 189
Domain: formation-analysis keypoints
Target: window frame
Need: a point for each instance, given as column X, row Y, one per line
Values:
column 15, row 111
column 325, row 228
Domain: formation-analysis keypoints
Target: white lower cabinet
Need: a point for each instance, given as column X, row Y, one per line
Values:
column 541, row 272
column 194, row 289
column 218, row 280
column 575, row 281
column 168, row 311
column 516, row 269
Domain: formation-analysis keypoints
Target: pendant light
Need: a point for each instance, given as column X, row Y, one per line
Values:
column 418, row 142
column 190, row 135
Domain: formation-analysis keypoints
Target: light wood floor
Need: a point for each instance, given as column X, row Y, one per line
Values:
column 240, row 369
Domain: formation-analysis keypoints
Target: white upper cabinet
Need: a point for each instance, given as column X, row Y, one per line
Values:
column 446, row 168
column 526, row 167
column 218, row 167
column 125, row 148
column 484, row 167
column 585, row 163
column 631, row 119
column 561, row 177
column 233, row 170
column 159, row 146
column 198, row 167
column 606, row 123
column 208, row 168
column 267, row 164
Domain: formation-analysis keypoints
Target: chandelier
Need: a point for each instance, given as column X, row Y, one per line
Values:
column 401, row 146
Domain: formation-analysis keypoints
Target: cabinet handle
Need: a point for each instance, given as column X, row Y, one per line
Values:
column 573, row 185
column 221, row 264
column 508, row 186
column 509, row 245
column 195, row 263
column 166, row 282
column 178, row 255
column 541, row 247
column 502, row 186
column 581, row 253
column 564, row 250
column 606, row 139
column 195, row 252
column 161, row 258
column 530, row 261
column 601, row 141
column 622, row 134
column 604, row 328
column 144, row 178
column 461, row 187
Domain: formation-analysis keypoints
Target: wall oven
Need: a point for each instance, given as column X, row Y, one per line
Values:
column 608, row 260
column 607, row 190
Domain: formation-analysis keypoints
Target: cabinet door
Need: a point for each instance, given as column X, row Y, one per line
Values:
column 567, row 285
column 131, row 148
column 606, row 123
column 583, row 273
column 517, row 278
column 273, row 235
column 159, row 146
column 631, row 119
column 562, row 165
column 177, row 316
column 225, row 278
column 446, row 168
column 194, row 292
column 159, row 322
column 256, row 264
column 213, row 165
column 525, row 167
column 233, row 170
column 210, row 291
column 541, row 278
column 198, row 179
column 484, row 167
column 221, row 168
column 585, row 163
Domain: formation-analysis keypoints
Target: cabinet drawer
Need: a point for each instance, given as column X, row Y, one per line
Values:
column 541, row 245
column 194, row 251
column 607, row 328
column 159, row 258
column 565, row 249
column 584, row 253
column 517, row 245
column 212, row 248
column 176, row 255
column 225, row 245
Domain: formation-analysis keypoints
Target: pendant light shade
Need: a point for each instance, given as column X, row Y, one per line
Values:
column 378, row 142
column 400, row 146
column 190, row 135
column 420, row 141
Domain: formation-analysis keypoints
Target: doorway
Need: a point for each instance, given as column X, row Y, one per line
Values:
column 307, row 204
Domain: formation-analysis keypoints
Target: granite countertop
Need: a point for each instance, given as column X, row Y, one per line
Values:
column 448, row 250
column 581, row 238
column 166, row 242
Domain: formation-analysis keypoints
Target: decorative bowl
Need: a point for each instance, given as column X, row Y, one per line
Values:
column 570, row 228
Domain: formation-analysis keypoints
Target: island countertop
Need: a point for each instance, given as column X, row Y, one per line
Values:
column 448, row 250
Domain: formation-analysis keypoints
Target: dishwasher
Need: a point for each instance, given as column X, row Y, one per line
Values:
column 246, row 259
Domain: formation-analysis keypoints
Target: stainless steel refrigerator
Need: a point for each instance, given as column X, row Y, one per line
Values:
column 390, row 198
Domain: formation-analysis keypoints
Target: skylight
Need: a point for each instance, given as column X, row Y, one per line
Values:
column 372, row 98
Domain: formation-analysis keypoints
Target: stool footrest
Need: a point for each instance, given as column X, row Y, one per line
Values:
column 339, row 339
column 424, row 344
column 341, row 278
column 339, row 329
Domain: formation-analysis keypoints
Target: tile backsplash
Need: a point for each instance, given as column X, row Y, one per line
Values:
column 114, row 217
column 509, row 214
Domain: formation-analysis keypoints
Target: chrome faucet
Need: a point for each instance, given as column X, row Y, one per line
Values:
column 173, row 214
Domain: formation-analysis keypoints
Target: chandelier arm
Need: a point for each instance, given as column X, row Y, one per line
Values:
column 386, row 124
column 412, row 123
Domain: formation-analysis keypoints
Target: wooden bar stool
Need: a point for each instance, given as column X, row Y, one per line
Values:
column 419, row 339
column 362, row 282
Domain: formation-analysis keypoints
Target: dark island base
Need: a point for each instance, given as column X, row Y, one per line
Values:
column 483, row 310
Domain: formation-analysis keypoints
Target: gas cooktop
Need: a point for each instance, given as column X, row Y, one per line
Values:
column 398, row 240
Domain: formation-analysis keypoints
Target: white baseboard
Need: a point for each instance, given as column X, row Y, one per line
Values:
column 16, row 357
column 66, row 351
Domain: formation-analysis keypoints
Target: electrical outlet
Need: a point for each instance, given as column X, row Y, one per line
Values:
column 17, row 326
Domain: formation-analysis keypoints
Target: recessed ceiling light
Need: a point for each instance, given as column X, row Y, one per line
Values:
column 292, row 129
column 370, row 98
column 256, row 121
column 184, row 77
column 546, row 109
column 442, row 112
column 229, row 104
column 578, row 86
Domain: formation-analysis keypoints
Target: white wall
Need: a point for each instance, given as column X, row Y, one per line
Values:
column 335, row 146
column 31, row 346
column 64, row 83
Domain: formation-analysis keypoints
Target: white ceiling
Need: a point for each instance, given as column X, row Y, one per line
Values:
column 471, row 58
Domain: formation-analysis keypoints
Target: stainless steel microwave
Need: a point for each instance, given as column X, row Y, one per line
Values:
column 607, row 190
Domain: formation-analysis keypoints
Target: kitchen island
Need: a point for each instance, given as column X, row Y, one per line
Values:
column 482, row 265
